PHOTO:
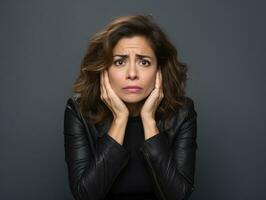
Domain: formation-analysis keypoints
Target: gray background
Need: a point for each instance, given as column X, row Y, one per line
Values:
column 223, row 42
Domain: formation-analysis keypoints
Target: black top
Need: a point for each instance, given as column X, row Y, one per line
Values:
column 133, row 182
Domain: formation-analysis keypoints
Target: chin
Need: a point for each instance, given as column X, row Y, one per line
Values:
column 132, row 98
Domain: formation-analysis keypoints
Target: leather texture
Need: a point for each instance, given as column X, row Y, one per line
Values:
column 94, row 159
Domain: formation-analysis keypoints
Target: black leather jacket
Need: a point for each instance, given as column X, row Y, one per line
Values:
column 94, row 159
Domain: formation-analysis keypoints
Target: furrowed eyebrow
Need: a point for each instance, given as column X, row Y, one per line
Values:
column 138, row 55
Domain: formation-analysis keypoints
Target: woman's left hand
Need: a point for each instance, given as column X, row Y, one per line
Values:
column 150, row 106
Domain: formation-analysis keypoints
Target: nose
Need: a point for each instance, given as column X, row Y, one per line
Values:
column 132, row 71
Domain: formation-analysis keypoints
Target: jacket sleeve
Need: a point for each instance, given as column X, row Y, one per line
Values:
column 172, row 168
column 90, row 174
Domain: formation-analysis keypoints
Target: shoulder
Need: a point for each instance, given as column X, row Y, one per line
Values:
column 187, row 113
column 179, row 119
column 188, row 106
column 72, row 103
column 181, row 114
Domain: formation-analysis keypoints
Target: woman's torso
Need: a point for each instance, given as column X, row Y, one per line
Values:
column 134, row 181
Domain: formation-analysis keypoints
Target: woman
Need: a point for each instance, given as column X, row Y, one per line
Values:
column 130, row 131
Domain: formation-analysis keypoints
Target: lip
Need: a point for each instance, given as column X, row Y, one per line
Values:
column 132, row 87
column 133, row 90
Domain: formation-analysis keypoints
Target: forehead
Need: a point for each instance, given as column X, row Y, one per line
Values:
column 138, row 43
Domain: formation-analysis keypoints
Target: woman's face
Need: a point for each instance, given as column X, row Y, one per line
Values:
column 134, row 64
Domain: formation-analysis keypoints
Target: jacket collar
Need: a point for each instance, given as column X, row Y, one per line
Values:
column 103, row 127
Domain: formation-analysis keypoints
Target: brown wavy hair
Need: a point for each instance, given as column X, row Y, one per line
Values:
column 99, row 56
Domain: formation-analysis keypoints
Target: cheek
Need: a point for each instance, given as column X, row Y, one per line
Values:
column 114, row 80
column 150, row 84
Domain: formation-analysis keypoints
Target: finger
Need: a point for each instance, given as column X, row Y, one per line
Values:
column 157, row 80
column 109, row 91
column 161, row 85
column 156, row 91
column 102, row 87
column 105, row 94
column 160, row 78
column 108, row 85
column 105, row 83
column 101, row 91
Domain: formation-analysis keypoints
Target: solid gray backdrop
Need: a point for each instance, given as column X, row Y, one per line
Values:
column 223, row 43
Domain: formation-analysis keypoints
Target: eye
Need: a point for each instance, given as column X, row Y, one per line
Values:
column 118, row 62
column 145, row 62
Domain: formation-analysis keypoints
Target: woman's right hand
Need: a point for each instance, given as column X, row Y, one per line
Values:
column 110, row 98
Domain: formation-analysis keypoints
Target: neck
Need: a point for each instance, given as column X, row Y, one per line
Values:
column 134, row 108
